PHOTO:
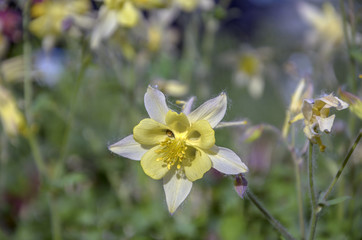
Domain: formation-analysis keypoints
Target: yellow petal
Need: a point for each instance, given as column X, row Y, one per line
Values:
column 149, row 132
column 198, row 166
column 201, row 135
column 153, row 168
column 177, row 122
column 128, row 16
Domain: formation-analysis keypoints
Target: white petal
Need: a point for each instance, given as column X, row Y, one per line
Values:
column 213, row 110
column 107, row 24
column 325, row 124
column 307, row 109
column 155, row 103
column 226, row 161
column 188, row 106
column 128, row 148
column 342, row 105
column 176, row 188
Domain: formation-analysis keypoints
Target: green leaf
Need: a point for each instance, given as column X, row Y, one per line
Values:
column 356, row 55
column 337, row 200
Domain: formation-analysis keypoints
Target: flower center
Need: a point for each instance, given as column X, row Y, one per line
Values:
column 172, row 151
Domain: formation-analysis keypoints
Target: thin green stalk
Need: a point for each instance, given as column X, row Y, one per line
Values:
column 313, row 222
column 311, row 176
column 55, row 221
column 189, row 51
column 298, row 184
column 28, row 91
column 276, row 224
column 30, row 134
column 70, row 117
column 345, row 161
column 350, row 45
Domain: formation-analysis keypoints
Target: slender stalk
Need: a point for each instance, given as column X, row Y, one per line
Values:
column 313, row 222
column 345, row 161
column 70, row 118
column 298, row 184
column 311, row 176
column 276, row 224
column 28, row 91
column 55, row 221
column 350, row 44
column 30, row 134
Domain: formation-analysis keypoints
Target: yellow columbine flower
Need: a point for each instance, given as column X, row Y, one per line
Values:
column 317, row 119
column 249, row 72
column 49, row 15
column 12, row 119
column 191, row 5
column 179, row 147
column 326, row 24
column 115, row 13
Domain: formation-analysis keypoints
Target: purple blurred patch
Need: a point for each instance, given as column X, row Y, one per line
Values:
column 240, row 185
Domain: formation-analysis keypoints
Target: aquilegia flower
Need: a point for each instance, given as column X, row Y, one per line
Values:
column 317, row 119
column 179, row 147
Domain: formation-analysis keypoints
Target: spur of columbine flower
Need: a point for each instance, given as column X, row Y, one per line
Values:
column 179, row 147
column 316, row 119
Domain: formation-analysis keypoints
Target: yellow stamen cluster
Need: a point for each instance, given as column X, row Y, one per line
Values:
column 172, row 151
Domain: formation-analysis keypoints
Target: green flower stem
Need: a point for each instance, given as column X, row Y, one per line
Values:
column 311, row 176
column 189, row 52
column 298, row 184
column 30, row 134
column 350, row 44
column 28, row 92
column 313, row 221
column 70, row 117
column 277, row 225
column 345, row 161
column 55, row 221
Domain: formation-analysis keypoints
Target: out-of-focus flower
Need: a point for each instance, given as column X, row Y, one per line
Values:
column 49, row 66
column 160, row 33
column 51, row 18
column 326, row 24
column 317, row 119
column 191, row 5
column 124, row 13
column 303, row 91
column 3, row 45
column 172, row 87
column 12, row 119
column 10, row 24
column 179, row 147
column 12, row 69
column 250, row 69
column 260, row 141
column 355, row 103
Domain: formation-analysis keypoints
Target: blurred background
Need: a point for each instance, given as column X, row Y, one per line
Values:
column 73, row 74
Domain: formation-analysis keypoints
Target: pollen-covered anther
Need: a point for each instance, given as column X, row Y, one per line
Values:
column 172, row 151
